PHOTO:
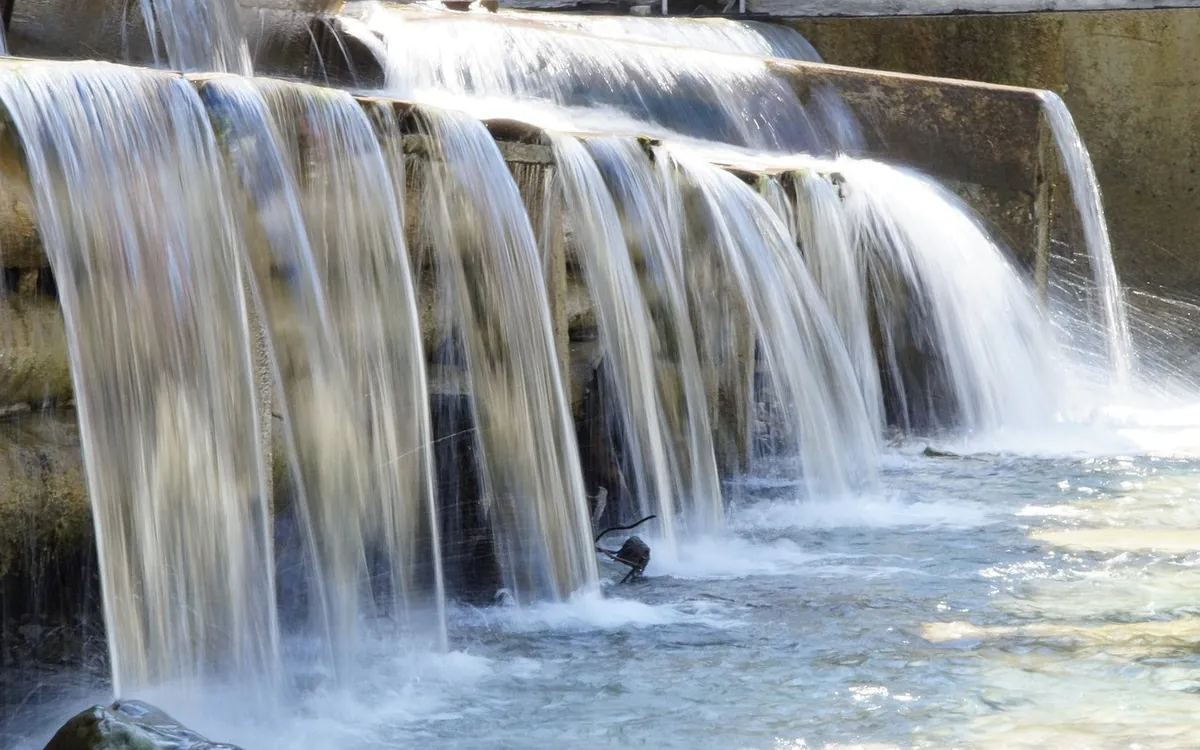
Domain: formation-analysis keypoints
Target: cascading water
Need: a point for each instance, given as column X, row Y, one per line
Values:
column 356, row 394
column 494, row 290
column 625, row 331
column 655, row 234
column 487, row 65
column 198, row 35
column 820, row 410
column 950, row 304
column 713, row 34
column 1086, row 193
column 766, row 316
column 133, row 208
column 824, row 234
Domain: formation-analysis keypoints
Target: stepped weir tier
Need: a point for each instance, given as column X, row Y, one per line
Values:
column 343, row 345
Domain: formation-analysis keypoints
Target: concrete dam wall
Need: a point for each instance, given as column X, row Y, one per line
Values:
column 1132, row 80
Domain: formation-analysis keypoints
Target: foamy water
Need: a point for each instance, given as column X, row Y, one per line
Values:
column 996, row 598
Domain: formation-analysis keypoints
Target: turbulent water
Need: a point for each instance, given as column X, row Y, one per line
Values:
column 990, row 600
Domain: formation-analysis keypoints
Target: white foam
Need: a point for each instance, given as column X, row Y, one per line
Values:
column 590, row 611
column 396, row 686
column 862, row 512
column 729, row 557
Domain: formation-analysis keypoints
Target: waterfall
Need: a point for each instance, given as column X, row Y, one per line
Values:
column 494, row 294
column 230, row 250
column 489, row 66
column 653, row 229
column 200, row 35
column 964, row 343
column 134, row 211
column 713, row 34
column 823, row 233
column 355, row 391
column 1085, row 190
column 625, row 332
column 817, row 410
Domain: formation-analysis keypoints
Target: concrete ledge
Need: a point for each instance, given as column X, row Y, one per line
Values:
column 780, row 9
column 989, row 143
column 802, row 8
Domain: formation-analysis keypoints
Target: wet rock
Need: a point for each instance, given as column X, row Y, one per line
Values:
column 128, row 725
column 931, row 452
column 636, row 554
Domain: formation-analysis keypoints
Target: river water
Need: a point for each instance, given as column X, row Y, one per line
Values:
column 1027, row 591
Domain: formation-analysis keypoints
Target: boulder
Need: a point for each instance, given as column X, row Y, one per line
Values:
column 128, row 725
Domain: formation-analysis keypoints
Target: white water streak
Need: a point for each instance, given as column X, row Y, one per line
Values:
column 199, row 35
column 811, row 377
column 493, row 283
column 133, row 209
column 1085, row 190
column 654, row 232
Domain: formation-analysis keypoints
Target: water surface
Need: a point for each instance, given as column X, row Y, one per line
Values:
column 982, row 600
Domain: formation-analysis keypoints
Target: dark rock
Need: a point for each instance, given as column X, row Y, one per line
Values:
column 636, row 554
column 128, row 725
column 932, row 452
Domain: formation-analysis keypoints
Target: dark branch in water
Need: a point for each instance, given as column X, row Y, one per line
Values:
column 622, row 528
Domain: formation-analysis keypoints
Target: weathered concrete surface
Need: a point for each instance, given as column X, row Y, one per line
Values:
column 1132, row 81
column 985, row 141
column 43, row 508
column 770, row 9
column 34, row 367
column 801, row 8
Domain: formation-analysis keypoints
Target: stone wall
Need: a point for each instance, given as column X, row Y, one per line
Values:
column 1132, row 80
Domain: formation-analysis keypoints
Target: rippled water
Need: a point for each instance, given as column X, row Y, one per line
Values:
column 986, row 600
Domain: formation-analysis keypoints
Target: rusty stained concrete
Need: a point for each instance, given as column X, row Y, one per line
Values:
column 1132, row 81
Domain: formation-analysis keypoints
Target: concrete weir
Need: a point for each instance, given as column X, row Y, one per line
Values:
column 988, row 142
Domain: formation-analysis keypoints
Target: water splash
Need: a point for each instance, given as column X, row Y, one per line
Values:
column 133, row 209
column 198, row 35
column 1085, row 190
column 495, row 293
